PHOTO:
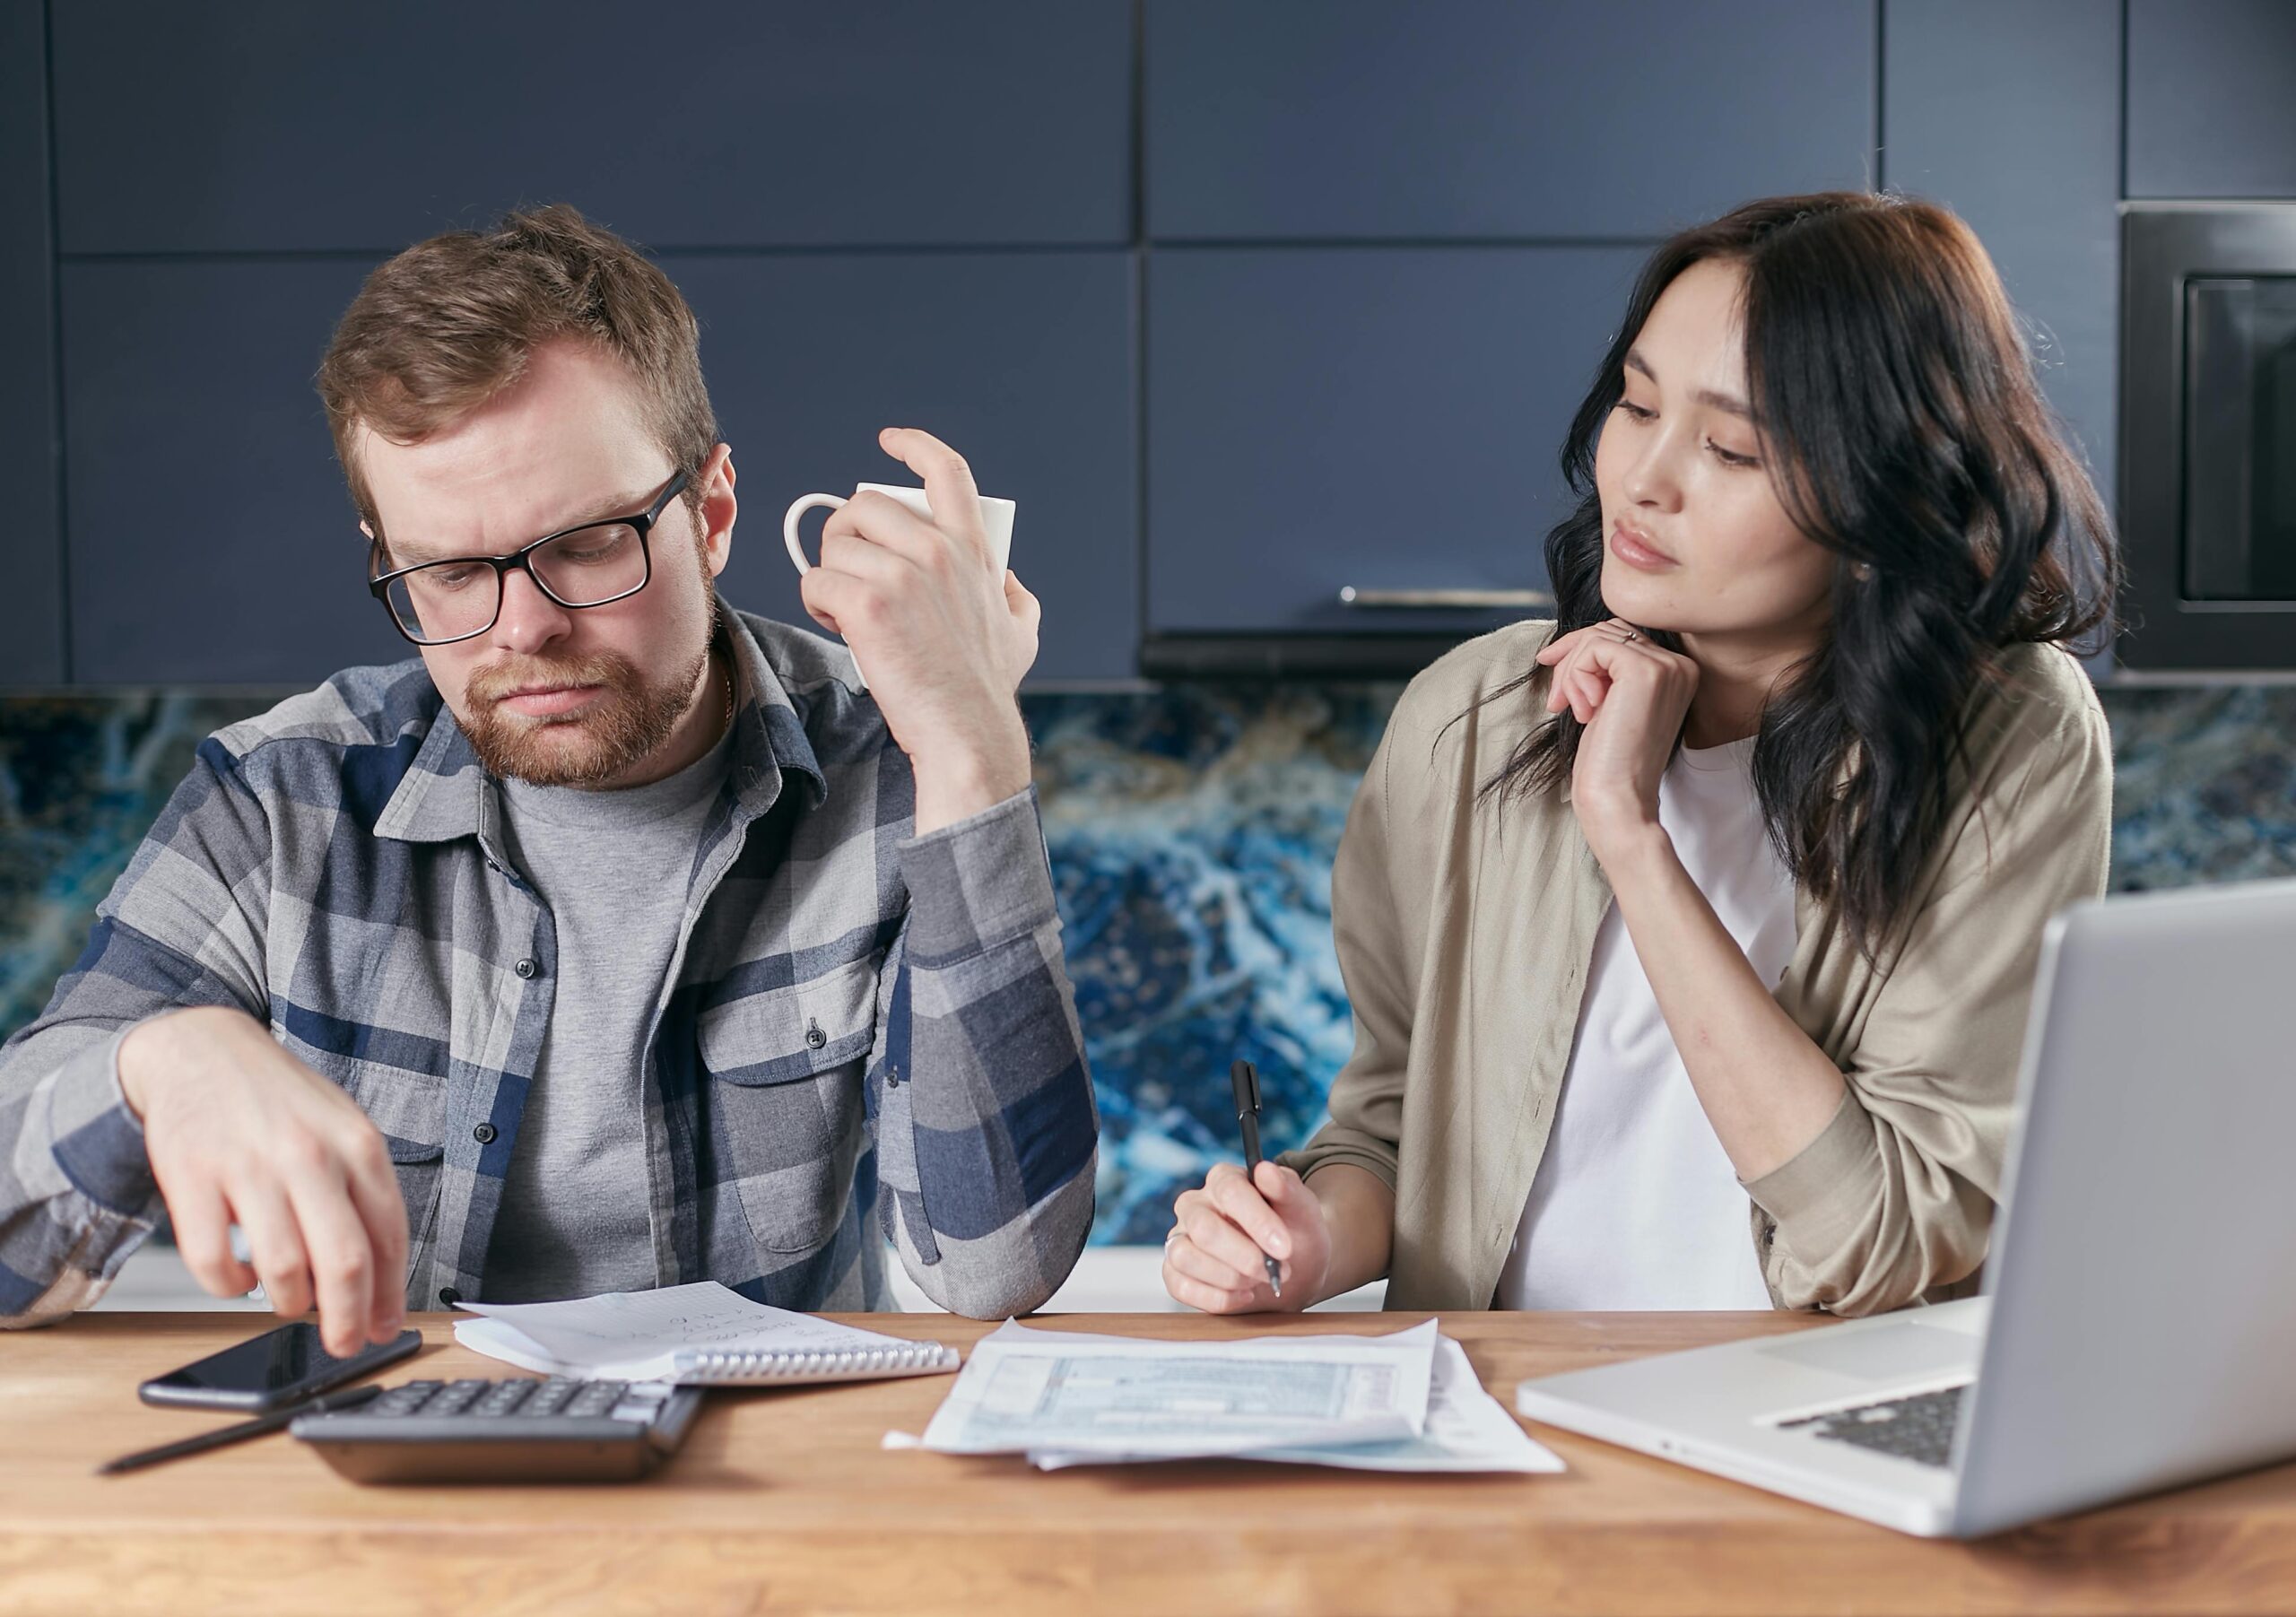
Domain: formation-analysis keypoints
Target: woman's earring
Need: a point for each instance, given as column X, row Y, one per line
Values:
column 1861, row 572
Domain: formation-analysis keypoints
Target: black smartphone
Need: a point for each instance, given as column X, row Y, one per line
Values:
column 278, row 1367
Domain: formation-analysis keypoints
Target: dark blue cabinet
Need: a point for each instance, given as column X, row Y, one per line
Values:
column 2010, row 116
column 1380, row 419
column 281, row 125
column 2212, row 97
column 1023, row 361
column 1365, row 119
column 31, row 597
column 212, row 542
column 1313, row 283
column 212, row 539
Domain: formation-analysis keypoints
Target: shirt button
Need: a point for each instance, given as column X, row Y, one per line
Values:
column 484, row 1134
column 526, row 968
column 814, row 1037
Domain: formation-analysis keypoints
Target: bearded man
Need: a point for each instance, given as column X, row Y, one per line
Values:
column 615, row 940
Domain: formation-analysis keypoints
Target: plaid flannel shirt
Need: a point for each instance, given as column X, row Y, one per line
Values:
column 856, row 1020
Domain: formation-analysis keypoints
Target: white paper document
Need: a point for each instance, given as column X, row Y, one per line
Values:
column 1467, row 1430
column 1408, row 1400
column 651, row 1335
column 1024, row 1390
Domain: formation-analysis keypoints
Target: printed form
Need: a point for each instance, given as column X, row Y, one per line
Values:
column 1467, row 1430
column 1366, row 1402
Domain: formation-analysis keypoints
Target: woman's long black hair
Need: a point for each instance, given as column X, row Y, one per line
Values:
column 1895, row 396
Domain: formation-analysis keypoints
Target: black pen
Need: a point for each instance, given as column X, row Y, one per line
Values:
column 1245, row 1076
column 349, row 1398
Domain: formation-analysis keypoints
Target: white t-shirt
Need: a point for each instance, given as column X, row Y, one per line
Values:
column 1635, row 1204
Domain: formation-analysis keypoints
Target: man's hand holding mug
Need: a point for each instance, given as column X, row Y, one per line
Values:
column 940, row 629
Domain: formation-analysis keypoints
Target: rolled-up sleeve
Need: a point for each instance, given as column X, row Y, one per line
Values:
column 1895, row 1195
column 987, row 1132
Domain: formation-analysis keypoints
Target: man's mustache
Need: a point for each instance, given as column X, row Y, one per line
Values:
column 495, row 683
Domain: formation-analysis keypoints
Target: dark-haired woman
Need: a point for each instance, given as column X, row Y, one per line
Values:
column 1689, row 938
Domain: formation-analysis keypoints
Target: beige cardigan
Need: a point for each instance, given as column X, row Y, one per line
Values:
column 1464, row 932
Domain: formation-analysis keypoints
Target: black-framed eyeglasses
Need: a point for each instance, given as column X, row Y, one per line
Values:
column 439, row 603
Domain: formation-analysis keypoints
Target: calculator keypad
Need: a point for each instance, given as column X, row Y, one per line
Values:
column 521, row 1428
column 520, row 1398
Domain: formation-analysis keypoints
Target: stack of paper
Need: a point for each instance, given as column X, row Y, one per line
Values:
column 1405, row 1401
column 699, row 1333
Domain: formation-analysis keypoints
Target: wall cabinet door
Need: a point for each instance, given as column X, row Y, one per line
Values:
column 32, row 558
column 270, row 125
column 212, row 542
column 1380, row 419
column 1356, row 119
column 1971, row 79
column 1023, row 361
column 2212, row 97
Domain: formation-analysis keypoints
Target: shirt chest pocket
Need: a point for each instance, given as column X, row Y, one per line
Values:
column 784, row 1096
column 407, row 1105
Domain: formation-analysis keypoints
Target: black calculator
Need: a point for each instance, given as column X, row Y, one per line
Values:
column 522, row 1429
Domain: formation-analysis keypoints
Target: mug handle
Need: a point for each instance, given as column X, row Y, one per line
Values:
column 790, row 525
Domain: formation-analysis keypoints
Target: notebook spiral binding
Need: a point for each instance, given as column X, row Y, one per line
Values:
column 850, row 1361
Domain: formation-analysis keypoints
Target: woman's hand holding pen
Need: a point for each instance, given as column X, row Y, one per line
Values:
column 1222, row 1231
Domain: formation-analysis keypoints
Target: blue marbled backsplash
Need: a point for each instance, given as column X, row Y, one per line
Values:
column 1192, row 831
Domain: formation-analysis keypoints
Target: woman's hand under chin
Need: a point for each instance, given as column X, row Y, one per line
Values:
column 1632, row 697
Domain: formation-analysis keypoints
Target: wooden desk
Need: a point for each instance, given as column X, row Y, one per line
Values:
column 784, row 1501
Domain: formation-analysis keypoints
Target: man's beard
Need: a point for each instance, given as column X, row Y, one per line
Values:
column 629, row 720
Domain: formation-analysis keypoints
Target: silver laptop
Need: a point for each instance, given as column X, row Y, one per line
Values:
column 2139, row 1325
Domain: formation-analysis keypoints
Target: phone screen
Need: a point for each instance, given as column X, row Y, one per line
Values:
column 275, row 1368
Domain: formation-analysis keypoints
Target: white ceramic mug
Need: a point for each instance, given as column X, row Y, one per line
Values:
column 995, row 519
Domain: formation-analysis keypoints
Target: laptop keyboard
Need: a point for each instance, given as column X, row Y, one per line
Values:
column 1918, row 1428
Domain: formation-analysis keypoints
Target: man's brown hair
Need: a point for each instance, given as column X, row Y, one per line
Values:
column 450, row 323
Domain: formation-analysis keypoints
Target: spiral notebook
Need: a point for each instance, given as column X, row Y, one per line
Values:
column 703, row 1334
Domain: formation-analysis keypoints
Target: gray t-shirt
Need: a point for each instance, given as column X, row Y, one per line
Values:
column 615, row 868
